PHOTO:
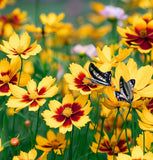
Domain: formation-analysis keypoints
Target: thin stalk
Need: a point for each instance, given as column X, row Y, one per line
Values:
column 37, row 125
column 20, row 70
column 143, row 142
column 113, row 152
column 37, row 2
column 71, row 145
column 118, row 111
column 101, row 134
column 150, row 57
column 133, row 126
column 127, row 141
column 3, row 132
column 124, row 123
column 145, row 60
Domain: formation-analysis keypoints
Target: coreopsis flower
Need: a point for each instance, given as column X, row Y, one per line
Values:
column 16, row 18
column 78, row 79
column 9, row 75
column 148, row 140
column 3, row 4
column 107, row 55
column 110, row 101
column 31, row 155
column 34, row 96
column 57, row 143
column 1, row 147
column 139, row 35
column 137, row 154
column 68, row 113
column 95, row 18
column 19, row 46
column 113, row 12
column 107, row 145
column 89, row 50
column 52, row 20
column 143, row 83
column 146, row 122
column 96, row 6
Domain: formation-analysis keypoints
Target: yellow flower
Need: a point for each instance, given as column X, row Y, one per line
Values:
column 107, row 55
column 3, row 4
column 34, row 96
column 70, row 112
column 57, row 143
column 16, row 18
column 9, row 75
column 96, row 6
column 107, row 145
column 143, row 83
column 20, row 46
column 79, row 81
column 140, row 34
column 52, row 21
column 137, row 154
column 31, row 155
column 148, row 140
column 146, row 122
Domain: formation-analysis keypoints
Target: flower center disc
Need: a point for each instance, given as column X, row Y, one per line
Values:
column 67, row 112
column 143, row 33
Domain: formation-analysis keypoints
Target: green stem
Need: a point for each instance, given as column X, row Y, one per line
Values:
column 127, row 141
column 113, row 152
column 150, row 57
column 143, row 142
column 124, row 123
column 20, row 70
column 3, row 132
column 133, row 126
column 71, row 145
column 145, row 60
column 101, row 134
column 37, row 2
column 37, row 125
column 118, row 111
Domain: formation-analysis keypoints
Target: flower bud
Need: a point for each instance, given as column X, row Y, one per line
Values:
column 14, row 141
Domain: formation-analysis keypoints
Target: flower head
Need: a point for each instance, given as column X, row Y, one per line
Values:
column 137, row 154
column 68, row 113
column 106, row 145
column 113, row 12
column 34, row 96
column 79, row 81
column 31, row 155
column 9, row 75
column 140, row 35
column 20, row 46
column 57, row 143
column 89, row 50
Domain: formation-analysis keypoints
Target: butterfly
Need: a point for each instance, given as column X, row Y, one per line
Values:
column 126, row 90
column 99, row 77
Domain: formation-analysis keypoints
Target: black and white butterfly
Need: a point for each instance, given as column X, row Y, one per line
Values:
column 99, row 77
column 126, row 90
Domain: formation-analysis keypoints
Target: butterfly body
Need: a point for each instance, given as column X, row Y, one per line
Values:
column 99, row 77
column 126, row 90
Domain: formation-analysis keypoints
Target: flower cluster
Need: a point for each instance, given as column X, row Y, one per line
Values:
column 77, row 91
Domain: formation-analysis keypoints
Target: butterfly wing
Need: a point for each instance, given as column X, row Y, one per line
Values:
column 99, row 77
column 126, row 90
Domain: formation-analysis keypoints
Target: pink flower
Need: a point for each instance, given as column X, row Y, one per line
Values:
column 113, row 12
column 90, row 50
